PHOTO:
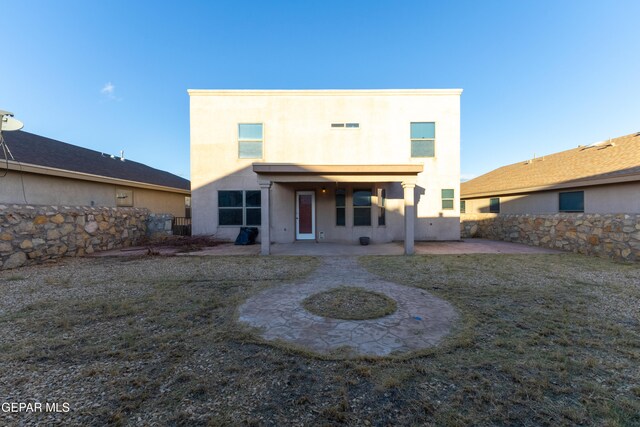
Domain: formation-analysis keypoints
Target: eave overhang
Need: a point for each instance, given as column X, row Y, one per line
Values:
column 293, row 172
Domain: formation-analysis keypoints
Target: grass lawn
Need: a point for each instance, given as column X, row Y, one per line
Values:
column 543, row 340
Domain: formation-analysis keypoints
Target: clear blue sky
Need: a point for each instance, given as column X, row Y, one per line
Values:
column 538, row 76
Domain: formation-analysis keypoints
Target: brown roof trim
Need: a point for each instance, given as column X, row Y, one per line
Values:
column 292, row 168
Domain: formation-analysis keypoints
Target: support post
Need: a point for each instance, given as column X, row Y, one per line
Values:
column 409, row 217
column 265, row 211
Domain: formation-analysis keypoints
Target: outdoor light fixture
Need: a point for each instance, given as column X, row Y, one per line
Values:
column 324, row 189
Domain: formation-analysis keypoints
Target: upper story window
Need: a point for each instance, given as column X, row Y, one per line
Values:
column 250, row 140
column 345, row 125
column 463, row 206
column 423, row 139
column 571, row 201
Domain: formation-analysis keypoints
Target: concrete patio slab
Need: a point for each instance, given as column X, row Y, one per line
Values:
column 469, row 246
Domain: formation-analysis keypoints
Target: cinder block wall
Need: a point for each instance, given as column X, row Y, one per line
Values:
column 606, row 235
column 30, row 234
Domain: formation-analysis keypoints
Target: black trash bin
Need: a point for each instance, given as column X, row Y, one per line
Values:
column 247, row 236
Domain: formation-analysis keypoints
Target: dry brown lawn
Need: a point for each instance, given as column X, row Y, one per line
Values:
column 543, row 340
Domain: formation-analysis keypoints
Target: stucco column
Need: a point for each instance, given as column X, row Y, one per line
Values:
column 409, row 217
column 265, row 225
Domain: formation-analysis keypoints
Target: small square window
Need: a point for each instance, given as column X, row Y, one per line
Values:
column 571, row 201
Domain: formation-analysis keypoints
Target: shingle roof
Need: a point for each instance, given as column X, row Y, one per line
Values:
column 41, row 151
column 612, row 159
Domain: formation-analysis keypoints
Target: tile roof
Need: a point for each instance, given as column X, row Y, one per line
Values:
column 618, row 158
column 38, row 150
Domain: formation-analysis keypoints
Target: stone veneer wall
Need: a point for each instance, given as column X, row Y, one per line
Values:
column 607, row 235
column 30, row 234
column 159, row 225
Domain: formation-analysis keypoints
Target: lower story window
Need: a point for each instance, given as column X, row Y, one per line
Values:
column 447, row 198
column 382, row 196
column 239, row 207
column 340, row 207
column 571, row 201
column 494, row 205
column 361, row 207
column 463, row 206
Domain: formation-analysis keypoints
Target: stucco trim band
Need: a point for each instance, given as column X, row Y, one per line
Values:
column 324, row 92
column 289, row 172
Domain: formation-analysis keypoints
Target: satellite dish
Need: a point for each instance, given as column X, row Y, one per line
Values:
column 8, row 123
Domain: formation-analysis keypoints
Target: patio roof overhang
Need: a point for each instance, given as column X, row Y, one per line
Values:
column 406, row 174
column 294, row 172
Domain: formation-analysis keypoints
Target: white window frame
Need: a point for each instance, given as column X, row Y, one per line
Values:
column 249, row 140
column 244, row 209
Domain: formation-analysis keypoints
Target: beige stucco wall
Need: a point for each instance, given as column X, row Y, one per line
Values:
column 297, row 129
column 52, row 190
column 612, row 198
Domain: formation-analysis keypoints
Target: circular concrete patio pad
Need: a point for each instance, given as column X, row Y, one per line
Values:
column 421, row 320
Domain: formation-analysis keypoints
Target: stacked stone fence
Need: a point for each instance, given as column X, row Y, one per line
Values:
column 31, row 234
column 606, row 235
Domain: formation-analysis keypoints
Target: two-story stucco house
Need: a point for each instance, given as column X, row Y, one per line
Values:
column 326, row 165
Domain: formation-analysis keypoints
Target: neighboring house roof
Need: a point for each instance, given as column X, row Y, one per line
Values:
column 615, row 160
column 30, row 149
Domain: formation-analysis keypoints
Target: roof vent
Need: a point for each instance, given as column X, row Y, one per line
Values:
column 609, row 144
